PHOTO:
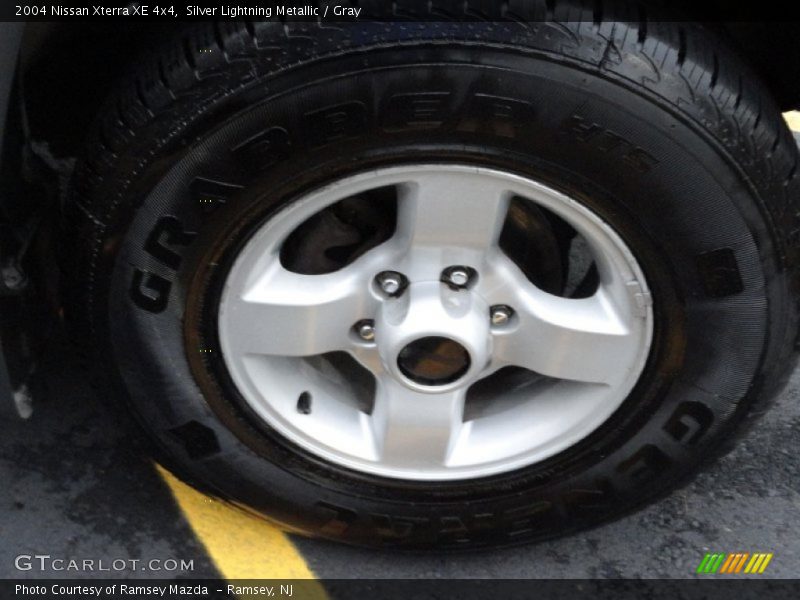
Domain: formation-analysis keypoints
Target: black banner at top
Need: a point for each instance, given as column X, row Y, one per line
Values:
column 332, row 11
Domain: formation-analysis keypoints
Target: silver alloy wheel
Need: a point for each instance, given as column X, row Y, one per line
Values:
column 274, row 322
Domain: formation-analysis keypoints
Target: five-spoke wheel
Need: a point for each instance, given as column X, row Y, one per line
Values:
column 428, row 313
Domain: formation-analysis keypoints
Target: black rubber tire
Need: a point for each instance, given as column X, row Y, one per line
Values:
column 657, row 126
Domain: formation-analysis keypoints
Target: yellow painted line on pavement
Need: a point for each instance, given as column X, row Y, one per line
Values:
column 793, row 119
column 242, row 546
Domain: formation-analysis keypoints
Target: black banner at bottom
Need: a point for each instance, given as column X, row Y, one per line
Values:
column 412, row 589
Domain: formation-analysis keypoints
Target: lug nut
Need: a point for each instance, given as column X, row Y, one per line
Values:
column 458, row 276
column 390, row 282
column 365, row 330
column 501, row 314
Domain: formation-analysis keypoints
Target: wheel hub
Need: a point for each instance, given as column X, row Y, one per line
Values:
column 433, row 337
column 434, row 360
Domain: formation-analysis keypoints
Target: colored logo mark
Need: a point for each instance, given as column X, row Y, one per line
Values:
column 739, row 562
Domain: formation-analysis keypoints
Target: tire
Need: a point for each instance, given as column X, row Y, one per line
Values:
column 656, row 127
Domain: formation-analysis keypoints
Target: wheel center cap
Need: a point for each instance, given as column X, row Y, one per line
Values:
column 433, row 338
column 434, row 360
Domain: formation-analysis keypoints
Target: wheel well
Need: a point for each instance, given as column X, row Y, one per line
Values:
column 68, row 70
column 773, row 49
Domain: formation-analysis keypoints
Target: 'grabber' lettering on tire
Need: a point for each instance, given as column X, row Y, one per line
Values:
column 160, row 243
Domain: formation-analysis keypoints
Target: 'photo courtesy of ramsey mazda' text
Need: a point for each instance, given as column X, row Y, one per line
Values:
column 427, row 276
